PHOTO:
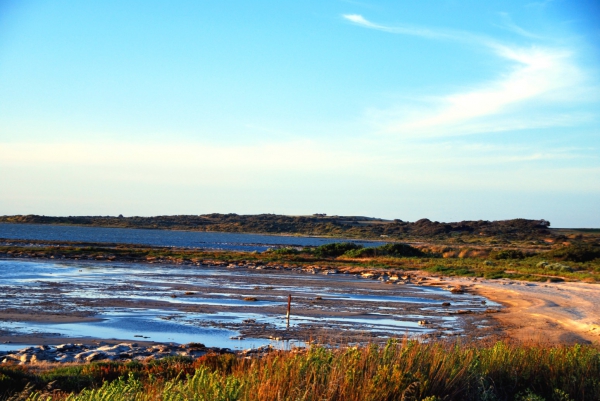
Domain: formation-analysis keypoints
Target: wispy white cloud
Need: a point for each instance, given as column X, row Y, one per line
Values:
column 510, row 25
column 538, row 74
column 406, row 29
column 400, row 29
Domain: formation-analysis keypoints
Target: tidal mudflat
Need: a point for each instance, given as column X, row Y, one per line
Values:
column 53, row 302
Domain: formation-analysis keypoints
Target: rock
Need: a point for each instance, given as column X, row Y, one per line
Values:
column 103, row 351
column 123, row 347
column 161, row 349
column 64, row 358
column 64, row 347
column 446, row 304
column 95, row 356
column 82, row 355
column 12, row 358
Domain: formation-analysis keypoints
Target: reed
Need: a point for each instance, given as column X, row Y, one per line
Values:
column 400, row 370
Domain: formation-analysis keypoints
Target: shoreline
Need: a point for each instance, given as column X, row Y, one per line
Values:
column 546, row 313
column 345, row 301
column 553, row 313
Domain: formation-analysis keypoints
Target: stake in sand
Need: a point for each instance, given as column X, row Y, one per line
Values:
column 288, row 310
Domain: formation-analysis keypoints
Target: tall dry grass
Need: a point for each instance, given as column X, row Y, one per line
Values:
column 401, row 370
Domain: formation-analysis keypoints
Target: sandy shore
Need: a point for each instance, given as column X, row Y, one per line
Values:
column 556, row 313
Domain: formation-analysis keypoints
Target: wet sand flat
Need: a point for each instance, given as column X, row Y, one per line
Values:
column 236, row 308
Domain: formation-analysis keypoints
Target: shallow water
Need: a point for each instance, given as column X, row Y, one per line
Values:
column 149, row 302
column 184, row 239
column 14, row 347
column 139, row 325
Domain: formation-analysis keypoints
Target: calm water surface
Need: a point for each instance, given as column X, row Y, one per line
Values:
column 186, row 239
column 41, row 287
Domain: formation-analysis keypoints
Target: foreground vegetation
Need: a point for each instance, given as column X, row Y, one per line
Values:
column 405, row 370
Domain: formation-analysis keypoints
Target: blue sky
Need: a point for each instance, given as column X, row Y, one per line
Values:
column 448, row 110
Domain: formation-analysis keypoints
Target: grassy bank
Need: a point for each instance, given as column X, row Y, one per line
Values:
column 405, row 370
column 574, row 262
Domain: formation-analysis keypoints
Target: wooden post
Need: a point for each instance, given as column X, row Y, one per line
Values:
column 288, row 310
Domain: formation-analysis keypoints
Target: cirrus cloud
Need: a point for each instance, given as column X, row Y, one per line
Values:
column 538, row 75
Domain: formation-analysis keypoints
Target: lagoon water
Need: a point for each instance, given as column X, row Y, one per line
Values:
column 167, row 303
column 184, row 239
column 131, row 301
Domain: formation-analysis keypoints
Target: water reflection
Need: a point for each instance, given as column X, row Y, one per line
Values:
column 213, row 305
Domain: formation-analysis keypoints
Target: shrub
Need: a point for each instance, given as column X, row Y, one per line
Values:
column 399, row 250
column 335, row 249
column 507, row 254
column 575, row 253
column 558, row 267
column 451, row 270
column 286, row 251
column 394, row 250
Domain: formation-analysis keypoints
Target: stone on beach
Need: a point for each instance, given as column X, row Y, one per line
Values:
column 88, row 353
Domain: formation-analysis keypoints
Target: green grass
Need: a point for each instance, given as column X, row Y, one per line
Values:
column 400, row 370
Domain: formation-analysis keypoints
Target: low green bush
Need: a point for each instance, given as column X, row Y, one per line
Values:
column 335, row 249
column 285, row 251
column 575, row 253
column 395, row 250
column 507, row 254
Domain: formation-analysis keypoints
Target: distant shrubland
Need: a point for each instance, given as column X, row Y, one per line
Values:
column 318, row 224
